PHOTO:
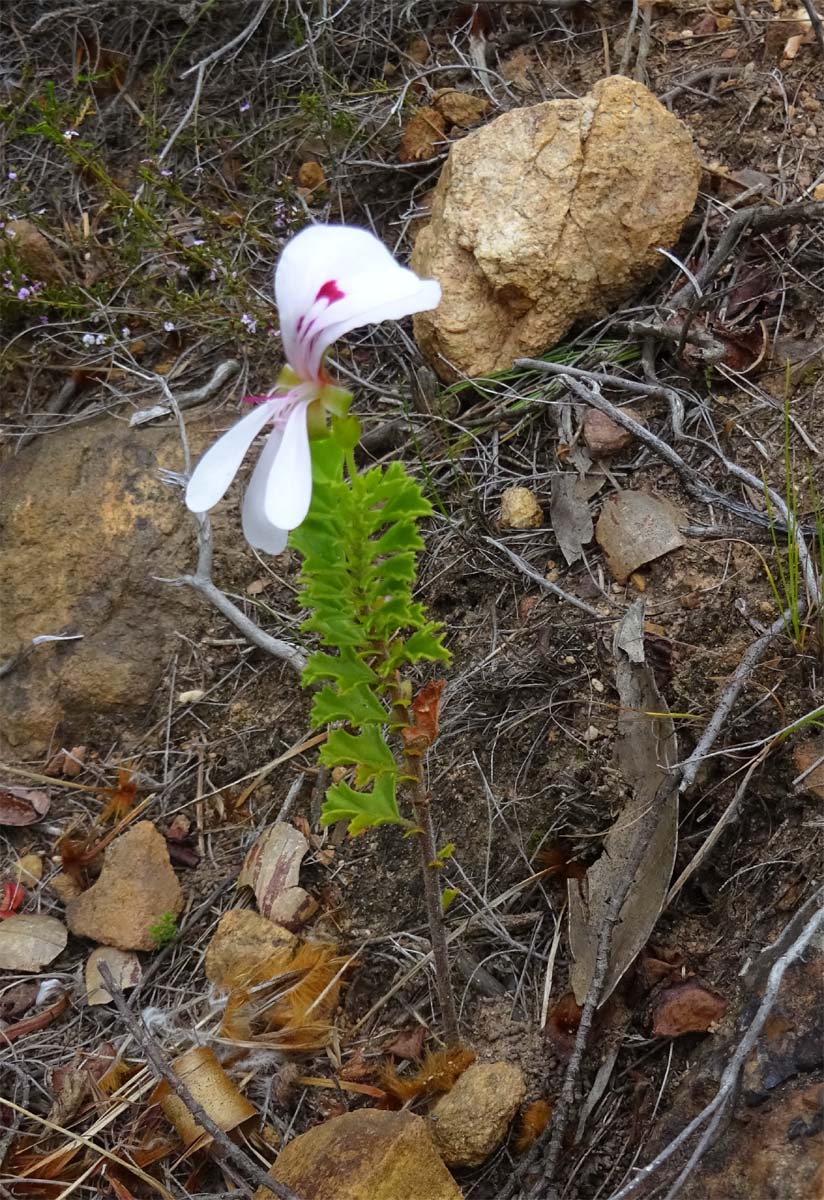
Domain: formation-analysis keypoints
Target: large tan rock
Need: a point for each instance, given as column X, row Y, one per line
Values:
column 470, row 1122
column 243, row 941
column 87, row 528
column 548, row 215
column 134, row 890
column 365, row 1155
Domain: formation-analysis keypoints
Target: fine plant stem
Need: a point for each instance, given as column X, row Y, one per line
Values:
column 430, row 870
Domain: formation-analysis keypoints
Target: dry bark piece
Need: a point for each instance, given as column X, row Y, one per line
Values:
column 365, row 1155
column 272, row 869
column 125, row 969
column 470, row 1122
column 570, row 516
column 200, row 1072
column 136, row 888
column 22, row 805
column 604, row 436
column 243, row 942
column 548, row 215
column 29, row 941
column 646, row 746
column 422, row 136
column 635, row 528
column 687, row 1007
column 520, row 509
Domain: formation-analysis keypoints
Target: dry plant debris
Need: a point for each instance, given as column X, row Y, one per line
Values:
column 30, row 941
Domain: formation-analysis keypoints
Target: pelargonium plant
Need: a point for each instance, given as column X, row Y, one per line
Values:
column 358, row 534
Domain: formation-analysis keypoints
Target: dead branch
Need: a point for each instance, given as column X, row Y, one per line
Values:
column 524, row 567
column 222, row 373
column 712, row 1114
column 713, row 74
column 150, row 1049
column 815, row 21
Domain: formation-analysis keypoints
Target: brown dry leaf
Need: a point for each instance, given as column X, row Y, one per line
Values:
column 570, row 516
column 646, row 747
column 22, row 805
column 30, row 941
column 423, row 135
column 562, row 1024
column 408, row 1043
column 272, row 869
column 634, row 528
column 460, row 108
column 205, row 1078
column 125, row 969
column 687, row 1007
column 425, row 710
column 811, row 754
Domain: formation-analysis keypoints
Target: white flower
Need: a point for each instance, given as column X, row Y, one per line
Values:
column 169, row 326
column 330, row 279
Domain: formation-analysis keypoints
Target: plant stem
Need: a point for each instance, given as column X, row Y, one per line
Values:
column 432, row 894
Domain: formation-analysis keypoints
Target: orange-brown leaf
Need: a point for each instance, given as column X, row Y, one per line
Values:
column 425, row 710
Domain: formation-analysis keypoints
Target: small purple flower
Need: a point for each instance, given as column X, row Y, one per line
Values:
column 68, row 134
column 13, row 176
column 245, row 106
column 169, row 326
column 166, row 173
column 249, row 322
column 24, row 293
column 43, row 319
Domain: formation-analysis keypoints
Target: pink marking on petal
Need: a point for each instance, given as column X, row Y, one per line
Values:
column 255, row 399
column 330, row 292
column 300, row 322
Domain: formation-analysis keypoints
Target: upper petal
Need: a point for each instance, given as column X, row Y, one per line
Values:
column 288, row 490
column 333, row 278
column 219, row 465
column 257, row 529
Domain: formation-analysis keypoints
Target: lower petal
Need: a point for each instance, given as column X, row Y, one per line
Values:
column 289, row 482
column 221, row 462
column 257, row 528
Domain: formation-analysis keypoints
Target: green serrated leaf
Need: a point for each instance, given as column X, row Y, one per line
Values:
column 367, row 749
column 346, row 669
column 358, row 706
column 363, row 810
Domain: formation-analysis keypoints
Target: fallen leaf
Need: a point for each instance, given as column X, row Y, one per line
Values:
column 202, row 1074
column 30, row 941
column 425, row 710
column 562, row 1023
column 22, row 805
column 125, row 970
column 408, row 1043
column 646, row 747
column 570, row 516
column 12, row 896
column 634, row 528
column 16, row 1000
column 810, row 754
column 460, row 108
column 28, row 869
column 272, row 869
column 687, row 1007
column 422, row 137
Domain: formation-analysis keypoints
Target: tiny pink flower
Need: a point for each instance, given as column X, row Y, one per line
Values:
column 330, row 279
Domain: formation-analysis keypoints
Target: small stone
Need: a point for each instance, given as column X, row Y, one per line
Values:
column 136, row 888
column 460, row 108
column 242, row 941
column 592, row 734
column 364, row 1155
column 64, row 887
column 470, row 1122
column 28, row 869
column 520, row 509
column 604, row 436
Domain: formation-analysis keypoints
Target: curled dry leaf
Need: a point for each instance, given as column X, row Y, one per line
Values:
column 570, row 516
column 30, row 941
column 125, row 969
column 22, row 805
column 425, row 710
column 562, row 1024
column 423, row 135
column 272, row 869
column 646, row 747
column 200, row 1072
column 687, row 1007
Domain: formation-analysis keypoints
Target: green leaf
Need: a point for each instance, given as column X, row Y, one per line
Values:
column 446, row 852
column 357, row 705
column 367, row 749
column 346, row 669
column 447, row 897
column 363, row 810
